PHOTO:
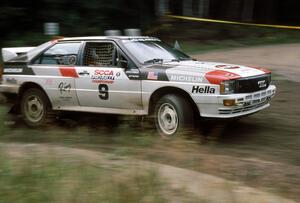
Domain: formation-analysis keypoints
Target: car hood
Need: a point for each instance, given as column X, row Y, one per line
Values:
column 212, row 72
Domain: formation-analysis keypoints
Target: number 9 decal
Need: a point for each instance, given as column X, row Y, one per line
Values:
column 103, row 91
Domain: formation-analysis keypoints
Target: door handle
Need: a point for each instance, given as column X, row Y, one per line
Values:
column 84, row 73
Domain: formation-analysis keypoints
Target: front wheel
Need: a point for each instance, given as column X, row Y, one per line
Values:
column 34, row 107
column 173, row 115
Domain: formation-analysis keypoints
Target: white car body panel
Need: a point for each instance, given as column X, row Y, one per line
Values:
column 116, row 90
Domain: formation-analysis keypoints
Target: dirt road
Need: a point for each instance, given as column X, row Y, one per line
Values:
column 282, row 59
column 260, row 151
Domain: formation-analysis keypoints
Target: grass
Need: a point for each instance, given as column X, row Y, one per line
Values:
column 36, row 177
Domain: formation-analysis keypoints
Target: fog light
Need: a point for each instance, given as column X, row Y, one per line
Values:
column 229, row 102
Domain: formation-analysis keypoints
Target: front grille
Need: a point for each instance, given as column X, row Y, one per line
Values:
column 256, row 104
column 249, row 102
column 252, row 84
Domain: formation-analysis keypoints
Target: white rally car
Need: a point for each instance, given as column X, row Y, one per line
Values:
column 130, row 76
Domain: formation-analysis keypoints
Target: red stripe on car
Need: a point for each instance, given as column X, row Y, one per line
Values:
column 68, row 72
column 217, row 76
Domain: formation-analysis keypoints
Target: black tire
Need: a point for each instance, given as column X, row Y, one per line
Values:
column 173, row 115
column 34, row 107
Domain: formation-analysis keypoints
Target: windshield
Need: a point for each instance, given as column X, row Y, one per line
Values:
column 154, row 51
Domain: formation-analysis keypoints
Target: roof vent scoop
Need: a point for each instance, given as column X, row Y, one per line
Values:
column 132, row 32
column 112, row 33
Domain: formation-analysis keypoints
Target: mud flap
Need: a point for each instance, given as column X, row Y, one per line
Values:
column 14, row 110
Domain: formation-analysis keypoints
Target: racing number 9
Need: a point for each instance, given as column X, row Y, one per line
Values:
column 103, row 91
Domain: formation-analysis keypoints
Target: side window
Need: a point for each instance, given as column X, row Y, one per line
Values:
column 60, row 54
column 99, row 54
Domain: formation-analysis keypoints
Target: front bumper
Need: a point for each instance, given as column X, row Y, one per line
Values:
column 246, row 103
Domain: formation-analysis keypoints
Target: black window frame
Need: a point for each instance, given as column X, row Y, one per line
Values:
column 33, row 60
column 130, row 62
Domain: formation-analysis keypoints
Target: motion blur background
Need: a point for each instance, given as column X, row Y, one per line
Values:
column 99, row 158
column 22, row 22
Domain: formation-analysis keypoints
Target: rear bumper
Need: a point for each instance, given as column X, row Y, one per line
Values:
column 246, row 103
column 9, row 88
column 10, row 92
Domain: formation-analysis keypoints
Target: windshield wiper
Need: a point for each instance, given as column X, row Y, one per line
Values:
column 155, row 60
column 184, row 59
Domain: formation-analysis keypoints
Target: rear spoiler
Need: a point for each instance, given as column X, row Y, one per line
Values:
column 9, row 53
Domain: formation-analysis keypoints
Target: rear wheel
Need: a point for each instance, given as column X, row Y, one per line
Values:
column 34, row 107
column 173, row 115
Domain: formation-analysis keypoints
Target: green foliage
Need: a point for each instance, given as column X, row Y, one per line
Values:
column 36, row 177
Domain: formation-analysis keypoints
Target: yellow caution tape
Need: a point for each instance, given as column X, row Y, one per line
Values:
column 233, row 22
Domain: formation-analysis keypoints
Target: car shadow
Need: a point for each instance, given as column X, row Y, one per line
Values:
column 229, row 132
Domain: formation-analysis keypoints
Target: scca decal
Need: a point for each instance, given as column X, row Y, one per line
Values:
column 104, row 72
column 103, row 76
column 203, row 90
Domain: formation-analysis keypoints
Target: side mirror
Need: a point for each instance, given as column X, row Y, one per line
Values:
column 177, row 46
column 123, row 63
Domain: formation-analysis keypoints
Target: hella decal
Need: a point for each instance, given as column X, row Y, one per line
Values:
column 203, row 90
column 186, row 78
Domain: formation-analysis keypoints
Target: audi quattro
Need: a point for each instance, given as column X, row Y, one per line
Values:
column 129, row 76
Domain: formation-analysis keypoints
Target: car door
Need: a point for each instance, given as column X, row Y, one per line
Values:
column 102, row 81
column 54, row 71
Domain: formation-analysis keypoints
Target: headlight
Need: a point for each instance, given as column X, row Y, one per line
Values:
column 227, row 87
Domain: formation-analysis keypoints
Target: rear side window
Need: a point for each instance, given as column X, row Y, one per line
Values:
column 60, row 54
column 99, row 54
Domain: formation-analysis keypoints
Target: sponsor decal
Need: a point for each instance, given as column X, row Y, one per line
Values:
column 103, row 76
column 133, row 74
column 118, row 74
column 203, row 90
column 227, row 67
column 12, row 70
column 262, row 83
column 144, row 40
column 11, row 80
column 64, row 87
column 64, row 90
column 152, row 76
column 186, row 78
